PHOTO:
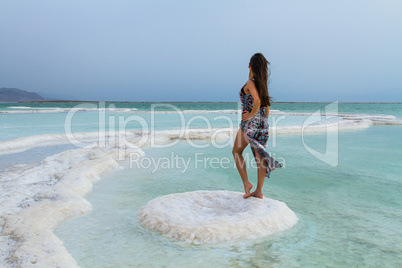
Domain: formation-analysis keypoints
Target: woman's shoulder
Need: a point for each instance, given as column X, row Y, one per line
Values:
column 250, row 82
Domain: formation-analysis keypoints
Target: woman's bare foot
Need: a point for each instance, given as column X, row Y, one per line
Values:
column 247, row 188
column 257, row 193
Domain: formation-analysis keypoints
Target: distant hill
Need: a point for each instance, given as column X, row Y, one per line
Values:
column 16, row 95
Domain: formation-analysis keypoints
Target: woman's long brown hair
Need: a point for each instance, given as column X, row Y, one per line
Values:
column 259, row 67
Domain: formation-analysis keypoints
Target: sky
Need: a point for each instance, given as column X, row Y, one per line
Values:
column 199, row 50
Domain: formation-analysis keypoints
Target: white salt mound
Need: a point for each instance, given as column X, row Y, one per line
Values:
column 213, row 216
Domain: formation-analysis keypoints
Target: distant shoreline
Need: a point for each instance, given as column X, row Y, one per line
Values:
column 73, row 101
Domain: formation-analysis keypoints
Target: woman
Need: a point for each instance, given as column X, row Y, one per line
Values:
column 255, row 102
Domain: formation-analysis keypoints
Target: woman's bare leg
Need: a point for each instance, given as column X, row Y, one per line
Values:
column 261, row 170
column 240, row 143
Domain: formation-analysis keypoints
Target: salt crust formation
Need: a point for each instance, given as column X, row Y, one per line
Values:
column 36, row 198
column 213, row 216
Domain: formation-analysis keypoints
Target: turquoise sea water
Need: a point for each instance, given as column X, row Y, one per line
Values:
column 349, row 214
column 369, row 108
column 16, row 125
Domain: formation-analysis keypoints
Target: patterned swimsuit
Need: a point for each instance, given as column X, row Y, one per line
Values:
column 256, row 129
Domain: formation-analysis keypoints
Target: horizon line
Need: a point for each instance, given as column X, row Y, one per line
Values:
column 78, row 101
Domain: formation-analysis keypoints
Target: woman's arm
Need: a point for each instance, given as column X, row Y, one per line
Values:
column 257, row 102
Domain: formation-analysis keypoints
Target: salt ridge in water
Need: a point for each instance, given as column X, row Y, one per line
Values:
column 215, row 216
column 345, row 123
column 30, row 110
column 36, row 198
column 351, row 116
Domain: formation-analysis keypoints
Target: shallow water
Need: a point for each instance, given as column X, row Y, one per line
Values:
column 349, row 214
column 370, row 108
column 32, row 156
column 13, row 126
